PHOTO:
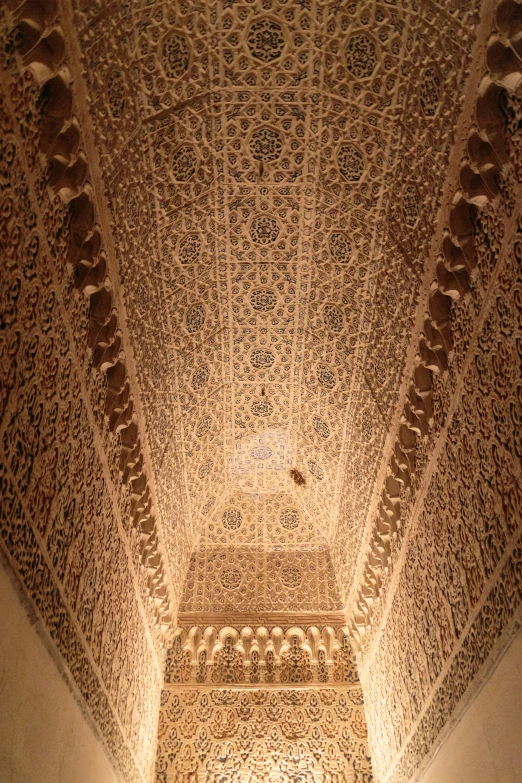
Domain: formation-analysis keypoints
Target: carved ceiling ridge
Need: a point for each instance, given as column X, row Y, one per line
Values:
column 38, row 42
column 269, row 619
column 485, row 168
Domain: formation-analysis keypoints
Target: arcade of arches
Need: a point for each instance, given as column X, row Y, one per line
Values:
column 261, row 389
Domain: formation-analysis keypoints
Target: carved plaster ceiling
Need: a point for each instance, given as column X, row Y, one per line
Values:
column 272, row 170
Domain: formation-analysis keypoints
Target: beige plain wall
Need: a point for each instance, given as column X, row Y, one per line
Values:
column 44, row 737
column 486, row 744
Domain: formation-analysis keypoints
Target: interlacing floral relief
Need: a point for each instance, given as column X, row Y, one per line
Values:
column 247, row 736
column 265, row 197
column 462, row 546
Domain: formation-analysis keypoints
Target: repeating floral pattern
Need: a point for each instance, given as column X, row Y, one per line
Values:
column 273, row 266
column 254, row 736
column 454, row 545
column 260, row 554
column 69, row 497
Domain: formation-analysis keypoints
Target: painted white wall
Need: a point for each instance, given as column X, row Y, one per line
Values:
column 486, row 744
column 44, row 737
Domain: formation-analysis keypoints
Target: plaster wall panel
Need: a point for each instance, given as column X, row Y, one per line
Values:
column 44, row 736
column 486, row 745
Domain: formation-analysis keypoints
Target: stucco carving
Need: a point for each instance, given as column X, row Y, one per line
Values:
column 255, row 735
column 261, row 655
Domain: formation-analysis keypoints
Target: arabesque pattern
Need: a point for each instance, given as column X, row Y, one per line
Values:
column 260, row 553
column 76, row 527
column 452, row 549
column 278, row 275
column 257, row 736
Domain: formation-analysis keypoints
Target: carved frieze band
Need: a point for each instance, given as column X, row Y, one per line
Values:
column 253, row 655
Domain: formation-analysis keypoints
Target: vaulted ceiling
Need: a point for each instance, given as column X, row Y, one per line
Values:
column 272, row 170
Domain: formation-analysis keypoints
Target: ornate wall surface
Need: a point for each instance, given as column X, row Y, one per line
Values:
column 260, row 363
column 44, row 737
column 441, row 586
column 296, row 726
column 290, row 706
column 263, row 736
column 75, row 521
column 263, row 654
